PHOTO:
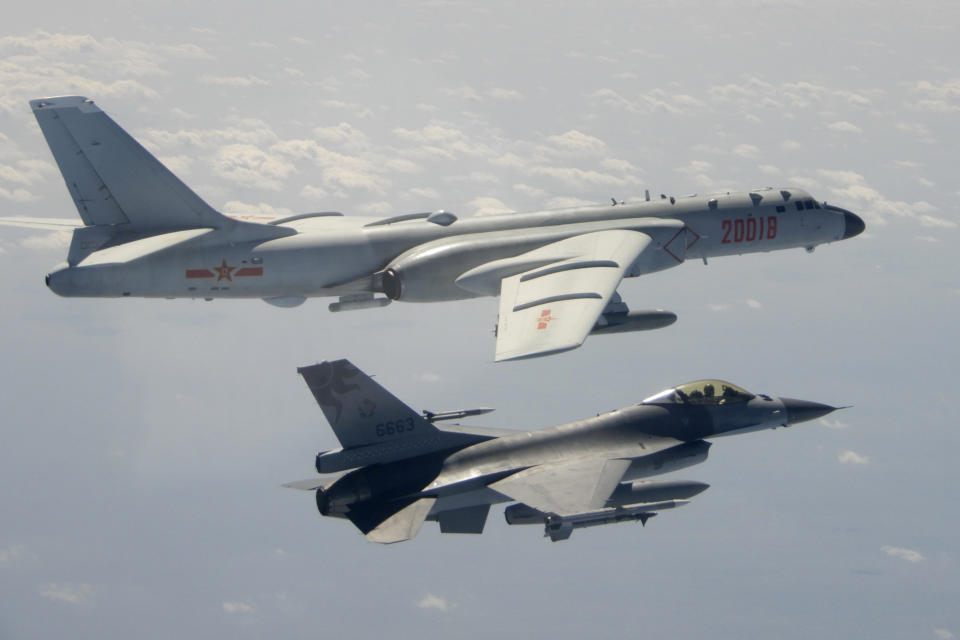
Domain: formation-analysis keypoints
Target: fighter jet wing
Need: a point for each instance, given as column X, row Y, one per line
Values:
column 552, row 308
column 50, row 224
column 567, row 487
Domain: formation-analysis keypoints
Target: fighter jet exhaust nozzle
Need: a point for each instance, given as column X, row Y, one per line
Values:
column 323, row 502
column 804, row 410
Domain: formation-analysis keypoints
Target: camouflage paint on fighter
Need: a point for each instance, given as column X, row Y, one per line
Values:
column 403, row 469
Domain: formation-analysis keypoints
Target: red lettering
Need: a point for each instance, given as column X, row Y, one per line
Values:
column 771, row 227
column 751, row 229
column 726, row 224
column 738, row 230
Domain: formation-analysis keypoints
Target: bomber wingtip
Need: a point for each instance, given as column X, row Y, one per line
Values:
column 38, row 104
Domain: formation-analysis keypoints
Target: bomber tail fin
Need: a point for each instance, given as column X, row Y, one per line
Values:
column 112, row 179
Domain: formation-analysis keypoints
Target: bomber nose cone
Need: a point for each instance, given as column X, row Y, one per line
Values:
column 854, row 225
column 804, row 410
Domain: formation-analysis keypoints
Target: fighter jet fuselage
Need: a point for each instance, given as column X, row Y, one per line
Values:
column 565, row 477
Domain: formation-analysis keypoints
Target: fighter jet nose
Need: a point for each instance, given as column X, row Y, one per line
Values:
column 804, row 410
column 854, row 225
column 47, row 280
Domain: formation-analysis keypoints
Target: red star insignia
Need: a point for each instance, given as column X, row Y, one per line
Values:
column 224, row 271
column 544, row 320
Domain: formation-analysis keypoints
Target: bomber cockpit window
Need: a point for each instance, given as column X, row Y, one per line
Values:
column 706, row 392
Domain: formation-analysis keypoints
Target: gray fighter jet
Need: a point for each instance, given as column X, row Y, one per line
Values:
column 146, row 234
column 406, row 469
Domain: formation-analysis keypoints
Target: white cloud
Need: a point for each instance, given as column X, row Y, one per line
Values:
column 943, row 634
column 852, row 457
column 47, row 241
column 853, row 189
column 314, row 193
column 791, row 145
column 943, row 97
column 833, row 424
column 180, row 165
column 463, row 92
column 10, row 554
column 237, row 208
column 505, row 94
column 431, row 601
column 918, row 131
column 910, row 555
column 581, row 178
column 344, row 134
column 844, row 127
column 443, row 140
column 71, row 594
column 746, row 150
column 563, row 202
column 380, row 208
column 238, row 607
column 250, row 165
column 577, row 141
column 429, row 377
column 402, row 165
column 17, row 195
column 240, row 131
column 233, row 81
column 426, row 193
column 754, row 304
column 624, row 166
column 529, row 191
column 43, row 63
column 24, row 172
column 488, row 206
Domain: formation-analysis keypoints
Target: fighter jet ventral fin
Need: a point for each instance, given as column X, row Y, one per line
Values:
column 402, row 525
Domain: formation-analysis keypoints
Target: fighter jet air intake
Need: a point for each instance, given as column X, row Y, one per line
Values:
column 144, row 233
column 406, row 469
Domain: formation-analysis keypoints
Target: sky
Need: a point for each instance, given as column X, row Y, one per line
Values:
column 145, row 442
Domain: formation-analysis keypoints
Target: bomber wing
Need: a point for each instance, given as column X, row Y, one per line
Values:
column 552, row 308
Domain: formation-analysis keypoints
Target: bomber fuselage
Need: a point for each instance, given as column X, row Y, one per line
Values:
column 417, row 260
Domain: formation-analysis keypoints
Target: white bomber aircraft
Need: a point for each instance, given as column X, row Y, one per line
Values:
column 146, row 234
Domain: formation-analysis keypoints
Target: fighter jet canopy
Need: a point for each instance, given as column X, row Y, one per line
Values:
column 709, row 392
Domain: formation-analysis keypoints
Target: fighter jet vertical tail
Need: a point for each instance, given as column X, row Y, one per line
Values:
column 112, row 179
column 359, row 410
column 372, row 424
